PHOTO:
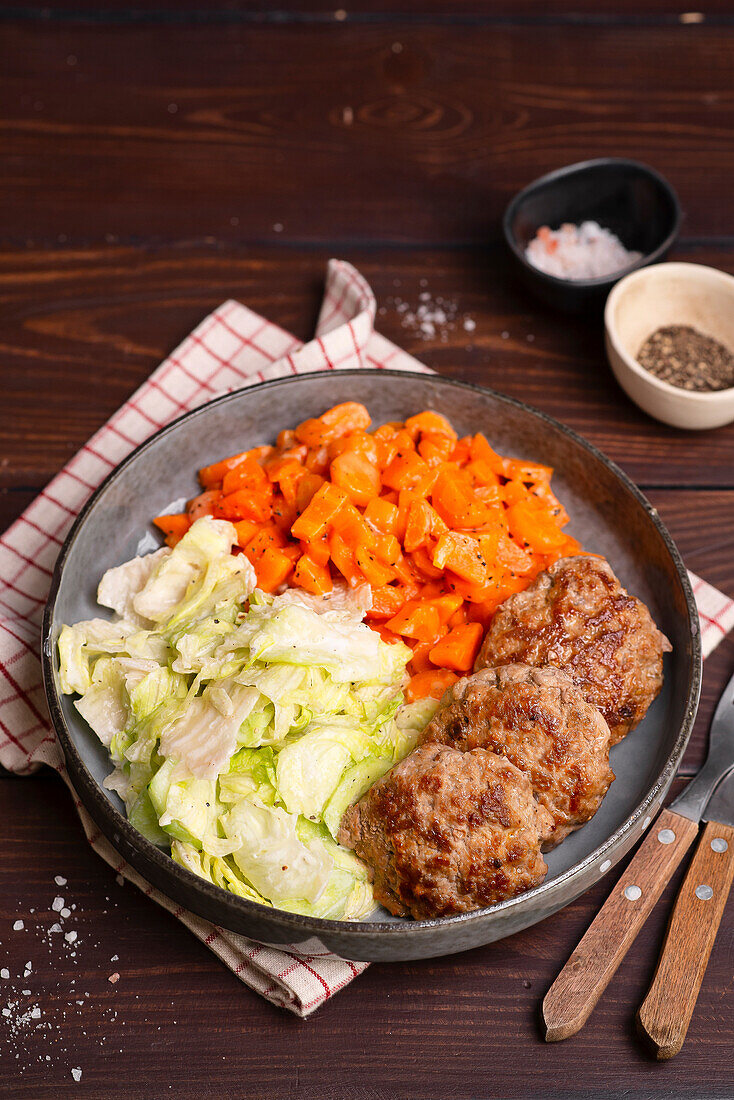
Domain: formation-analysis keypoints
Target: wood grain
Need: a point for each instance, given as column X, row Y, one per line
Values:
column 572, row 997
column 86, row 326
column 665, row 1014
column 344, row 132
column 440, row 1029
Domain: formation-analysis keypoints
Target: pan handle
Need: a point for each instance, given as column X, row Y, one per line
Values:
column 570, row 1000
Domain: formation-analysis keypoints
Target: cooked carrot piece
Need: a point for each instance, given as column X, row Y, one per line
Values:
column 459, row 616
column 357, row 476
column 462, row 554
column 480, row 450
column 387, row 601
column 203, row 505
column 435, row 447
column 462, row 451
column 317, row 460
column 284, row 514
column 244, row 505
column 431, row 683
column 420, row 661
column 306, row 489
column 347, row 417
column 246, row 529
column 381, row 515
column 455, row 501
column 458, row 649
column 317, row 550
column 284, row 468
column 250, row 475
column 416, row 620
column 421, row 559
column 343, row 557
column 266, row 537
column 481, row 473
column 174, row 527
column 527, row 471
column 533, row 525
column 501, row 551
column 359, row 442
column 446, row 605
column 373, row 570
column 312, row 576
column 213, row 476
column 324, row 505
column 429, row 421
column 273, row 568
column 418, row 526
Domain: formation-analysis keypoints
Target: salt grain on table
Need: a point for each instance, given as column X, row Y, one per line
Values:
column 585, row 251
column 18, row 926
column 113, row 978
column 76, row 1073
column 60, row 880
column 57, row 905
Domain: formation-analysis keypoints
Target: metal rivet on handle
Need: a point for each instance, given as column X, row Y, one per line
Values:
column 666, row 836
column 719, row 844
column 704, row 893
column 633, row 893
column 646, row 822
column 604, row 867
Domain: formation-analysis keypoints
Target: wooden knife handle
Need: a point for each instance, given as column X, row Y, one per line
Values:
column 571, row 999
column 666, row 1012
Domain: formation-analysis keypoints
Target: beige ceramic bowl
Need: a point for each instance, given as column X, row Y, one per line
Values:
column 670, row 294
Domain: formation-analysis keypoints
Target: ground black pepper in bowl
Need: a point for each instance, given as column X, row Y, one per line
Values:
column 684, row 357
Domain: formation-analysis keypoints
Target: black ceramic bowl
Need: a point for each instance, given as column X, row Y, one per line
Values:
column 627, row 197
column 608, row 514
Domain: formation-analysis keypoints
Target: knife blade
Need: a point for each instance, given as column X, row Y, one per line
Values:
column 666, row 1012
column 571, row 999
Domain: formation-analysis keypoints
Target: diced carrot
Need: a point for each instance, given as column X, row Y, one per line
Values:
column 272, row 569
column 462, row 451
column 533, row 525
column 381, row 515
column 458, row 649
column 324, row 505
column 213, row 476
column 246, row 529
column 174, row 527
column 387, row 601
column 429, row 421
column 409, row 471
column 249, row 475
column 312, row 576
column 512, row 492
column 455, row 501
column 420, row 660
column 481, row 473
column 386, row 548
column 501, row 551
column 528, row 471
column 359, row 442
column 266, row 537
column 313, row 432
column 347, row 417
column 284, row 514
column 284, row 469
column 459, row 616
column 480, row 450
column 203, row 505
column 306, row 490
column 286, row 439
column 317, row 550
column 431, row 683
column 373, row 570
column 435, row 447
column 416, row 619
column 463, row 554
column 343, row 557
column 244, row 505
column 446, row 605
column 418, row 526
column 421, row 559
column 317, row 460
column 357, row 476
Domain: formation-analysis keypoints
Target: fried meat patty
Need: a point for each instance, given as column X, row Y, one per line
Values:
column 577, row 617
column 447, row 831
column 538, row 720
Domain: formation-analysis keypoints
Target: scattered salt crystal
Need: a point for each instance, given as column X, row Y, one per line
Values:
column 113, row 978
column 36, row 1013
column 114, row 958
column 65, row 912
column 76, row 1073
column 26, row 992
column 4, row 973
column 6, row 1012
column 469, row 324
column 60, row 880
column 18, row 926
column 57, row 905
column 28, row 965
column 585, row 251
column 55, row 928
column 70, row 937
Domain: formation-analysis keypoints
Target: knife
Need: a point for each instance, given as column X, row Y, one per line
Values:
column 571, row 999
column 666, row 1012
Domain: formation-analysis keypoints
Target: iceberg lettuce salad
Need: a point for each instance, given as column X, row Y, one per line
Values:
column 241, row 725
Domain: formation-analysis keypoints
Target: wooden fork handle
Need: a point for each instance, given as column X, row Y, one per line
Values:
column 573, row 995
column 666, row 1012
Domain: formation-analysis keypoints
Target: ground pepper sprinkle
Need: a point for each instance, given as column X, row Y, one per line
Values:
column 684, row 357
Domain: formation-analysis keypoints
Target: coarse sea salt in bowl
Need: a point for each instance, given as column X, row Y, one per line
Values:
column 657, row 297
column 623, row 197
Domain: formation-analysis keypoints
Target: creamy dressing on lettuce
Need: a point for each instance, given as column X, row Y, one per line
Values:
column 241, row 725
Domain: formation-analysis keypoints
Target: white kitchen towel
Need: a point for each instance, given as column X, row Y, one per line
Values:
column 231, row 349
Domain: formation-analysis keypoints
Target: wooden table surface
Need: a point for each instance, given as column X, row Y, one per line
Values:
column 160, row 158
